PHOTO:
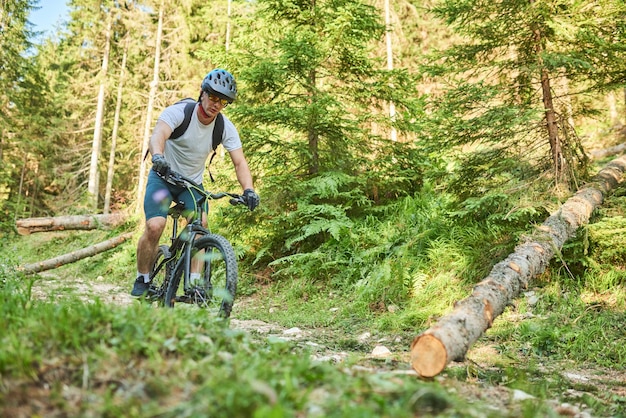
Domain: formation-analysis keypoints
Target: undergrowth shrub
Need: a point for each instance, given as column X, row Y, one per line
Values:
column 575, row 330
column 401, row 255
column 377, row 253
column 596, row 254
column 139, row 361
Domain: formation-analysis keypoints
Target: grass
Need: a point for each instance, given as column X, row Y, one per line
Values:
column 559, row 350
column 92, row 359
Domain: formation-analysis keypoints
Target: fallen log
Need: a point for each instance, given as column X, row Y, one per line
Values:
column 452, row 336
column 28, row 226
column 92, row 250
column 603, row 153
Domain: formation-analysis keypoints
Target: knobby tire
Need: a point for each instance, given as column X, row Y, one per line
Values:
column 220, row 277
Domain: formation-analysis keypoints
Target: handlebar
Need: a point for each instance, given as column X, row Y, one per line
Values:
column 180, row 180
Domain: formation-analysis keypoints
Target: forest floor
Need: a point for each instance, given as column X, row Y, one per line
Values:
column 389, row 355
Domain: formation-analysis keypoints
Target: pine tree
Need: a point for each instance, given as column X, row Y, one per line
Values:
column 312, row 111
column 509, row 73
column 22, row 89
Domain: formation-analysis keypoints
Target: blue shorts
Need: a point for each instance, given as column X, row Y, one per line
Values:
column 160, row 194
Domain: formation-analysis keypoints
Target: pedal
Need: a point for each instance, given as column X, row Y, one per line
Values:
column 183, row 299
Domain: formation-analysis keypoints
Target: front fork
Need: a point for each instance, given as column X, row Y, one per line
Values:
column 192, row 232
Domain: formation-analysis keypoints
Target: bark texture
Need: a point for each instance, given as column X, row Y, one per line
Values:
column 606, row 152
column 92, row 250
column 71, row 222
column 452, row 336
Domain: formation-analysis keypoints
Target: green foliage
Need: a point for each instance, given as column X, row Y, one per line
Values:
column 602, row 239
column 408, row 263
column 17, row 70
column 569, row 328
column 307, row 113
column 596, row 256
column 354, row 232
column 400, row 255
column 498, row 210
column 316, row 92
column 493, row 107
column 181, row 362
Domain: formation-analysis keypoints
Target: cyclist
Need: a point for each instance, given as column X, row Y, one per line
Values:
column 187, row 155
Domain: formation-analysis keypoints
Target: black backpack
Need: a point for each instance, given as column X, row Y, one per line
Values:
column 218, row 129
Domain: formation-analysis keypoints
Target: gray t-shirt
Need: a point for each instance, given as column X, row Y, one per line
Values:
column 188, row 153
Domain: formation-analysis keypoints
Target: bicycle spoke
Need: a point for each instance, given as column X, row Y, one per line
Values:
column 216, row 258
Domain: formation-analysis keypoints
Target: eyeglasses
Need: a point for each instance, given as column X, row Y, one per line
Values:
column 216, row 99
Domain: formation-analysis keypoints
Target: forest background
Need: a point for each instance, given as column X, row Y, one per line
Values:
column 400, row 148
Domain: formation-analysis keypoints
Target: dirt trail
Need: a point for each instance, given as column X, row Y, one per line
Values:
column 50, row 286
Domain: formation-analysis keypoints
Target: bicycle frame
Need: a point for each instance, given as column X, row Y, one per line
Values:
column 181, row 244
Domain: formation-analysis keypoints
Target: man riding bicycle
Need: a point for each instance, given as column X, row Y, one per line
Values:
column 187, row 155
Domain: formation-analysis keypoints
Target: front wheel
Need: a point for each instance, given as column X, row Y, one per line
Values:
column 215, row 258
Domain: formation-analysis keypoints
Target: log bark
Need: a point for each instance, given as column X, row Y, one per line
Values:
column 452, row 336
column 71, row 222
column 61, row 260
column 603, row 153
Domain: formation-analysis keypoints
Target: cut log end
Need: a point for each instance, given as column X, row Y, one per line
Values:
column 451, row 338
column 428, row 355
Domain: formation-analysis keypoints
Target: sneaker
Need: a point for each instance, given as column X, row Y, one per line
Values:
column 140, row 287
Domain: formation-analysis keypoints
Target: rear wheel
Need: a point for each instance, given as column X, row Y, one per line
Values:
column 218, row 285
column 159, row 273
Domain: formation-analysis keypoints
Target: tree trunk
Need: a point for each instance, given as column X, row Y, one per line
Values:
column 75, row 255
column 556, row 147
column 148, row 126
column 392, row 106
column 612, row 107
column 19, row 192
column 313, row 135
column 559, row 162
column 451, row 337
column 72, row 222
column 93, row 185
column 116, row 124
column 227, row 48
column 227, row 42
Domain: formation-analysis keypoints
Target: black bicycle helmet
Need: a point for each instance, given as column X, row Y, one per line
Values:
column 220, row 83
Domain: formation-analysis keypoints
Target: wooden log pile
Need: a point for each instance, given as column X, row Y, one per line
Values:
column 452, row 336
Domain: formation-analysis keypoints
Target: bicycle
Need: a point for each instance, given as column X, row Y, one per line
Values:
column 216, row 259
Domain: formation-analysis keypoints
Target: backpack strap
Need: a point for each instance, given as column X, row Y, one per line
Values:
column 218, row 133
column 180, row 129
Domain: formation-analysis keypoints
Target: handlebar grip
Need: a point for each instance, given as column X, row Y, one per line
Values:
column 237, row 201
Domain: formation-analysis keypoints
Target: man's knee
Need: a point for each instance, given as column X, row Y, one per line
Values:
column 154, row 228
